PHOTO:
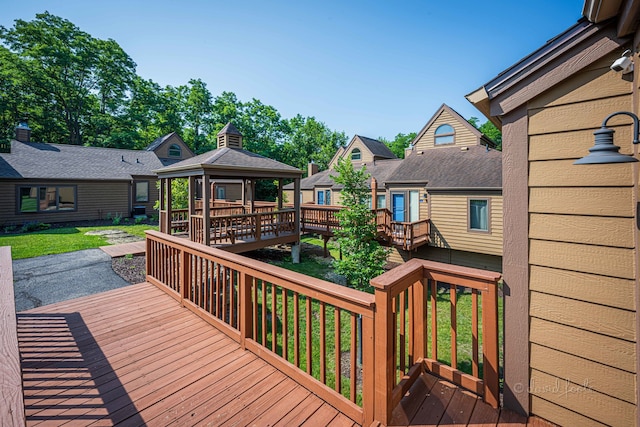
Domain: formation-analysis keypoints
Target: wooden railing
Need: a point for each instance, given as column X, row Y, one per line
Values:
column 306, row 327
column 403, row 322
column 12, row 402
column 407, row 235
column 319, row 219
column 310, row 329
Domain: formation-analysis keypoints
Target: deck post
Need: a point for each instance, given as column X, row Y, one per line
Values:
column 384, row 351
column 206, row 210
column 368, row 369
column 490, row 346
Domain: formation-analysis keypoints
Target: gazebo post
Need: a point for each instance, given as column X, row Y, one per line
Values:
column 169, row 203
column 295, row 247
column 162, row 209
column 280, row 194
column 192, row 205
column 244, row 193
column 206, row 229
column 252, row 190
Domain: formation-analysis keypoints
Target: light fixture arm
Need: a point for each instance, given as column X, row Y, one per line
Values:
column 636, row 123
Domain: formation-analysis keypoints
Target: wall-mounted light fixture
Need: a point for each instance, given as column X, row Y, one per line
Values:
column 604, row 150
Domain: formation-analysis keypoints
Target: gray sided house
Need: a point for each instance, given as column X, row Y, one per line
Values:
column 49, row 183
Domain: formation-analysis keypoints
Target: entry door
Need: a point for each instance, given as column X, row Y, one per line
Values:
column 398, row 206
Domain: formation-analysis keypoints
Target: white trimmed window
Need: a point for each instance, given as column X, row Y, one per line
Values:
column 445, row 134
column 479, row 219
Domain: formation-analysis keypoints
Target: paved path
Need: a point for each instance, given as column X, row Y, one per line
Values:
column 52, row 278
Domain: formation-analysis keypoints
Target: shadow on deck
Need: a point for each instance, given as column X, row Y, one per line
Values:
column 133, row 356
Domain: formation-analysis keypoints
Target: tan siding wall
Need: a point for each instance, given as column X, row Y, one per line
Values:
column 449, row 220
column 94, row 200
column 163, row 150
column 449, row 256
column 463, row 136
column 366, row 154
column 582, row 256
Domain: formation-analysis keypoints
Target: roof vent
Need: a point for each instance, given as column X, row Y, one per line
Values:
column 137, row 160
column 230, row 137
column 123, row 158
column 464, row 148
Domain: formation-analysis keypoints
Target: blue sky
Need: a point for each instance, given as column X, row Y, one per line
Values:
column 373, row 68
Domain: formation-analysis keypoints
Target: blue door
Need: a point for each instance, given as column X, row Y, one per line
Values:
column 398, row 206
column 321, row 197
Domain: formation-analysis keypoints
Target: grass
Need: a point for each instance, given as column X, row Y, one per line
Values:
column 334, row 251
column 64, row 239
column 313, row 267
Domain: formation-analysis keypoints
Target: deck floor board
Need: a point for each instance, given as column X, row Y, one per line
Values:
column 133, row 356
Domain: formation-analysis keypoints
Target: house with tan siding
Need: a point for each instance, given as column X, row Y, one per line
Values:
column 571, row 263
column 50, row 183
column 450, row 177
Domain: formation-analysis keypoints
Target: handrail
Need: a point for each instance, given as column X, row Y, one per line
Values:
column 402, row 329
column 12, row 402
column 283, row 316
column 294, row 321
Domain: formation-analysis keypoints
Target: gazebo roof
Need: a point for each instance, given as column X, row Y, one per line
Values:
column 230, row 163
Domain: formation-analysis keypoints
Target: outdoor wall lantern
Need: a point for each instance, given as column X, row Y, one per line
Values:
column 604, row 150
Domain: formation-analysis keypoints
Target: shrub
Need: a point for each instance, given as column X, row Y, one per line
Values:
column 116, row 219
column 34, row 226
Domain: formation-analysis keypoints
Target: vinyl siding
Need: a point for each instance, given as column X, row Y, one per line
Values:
column 449, row 223
column 463, row 136
column 163, row 150
column 582, row 256
column 94, row 200
column 449, row 256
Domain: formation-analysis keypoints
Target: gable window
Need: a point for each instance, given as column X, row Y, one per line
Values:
column 175, row 150
column 47, row 198
column 479, row 214
column 356, row 154
column 444, row 134
column 142, row 191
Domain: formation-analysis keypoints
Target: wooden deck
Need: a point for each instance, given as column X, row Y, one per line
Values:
column 133, row 356
column 133, row 248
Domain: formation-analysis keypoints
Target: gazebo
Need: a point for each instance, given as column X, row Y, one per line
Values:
column 239, row 226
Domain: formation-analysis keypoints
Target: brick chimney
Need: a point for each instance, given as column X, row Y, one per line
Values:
column 230, row 136
column 312, row 169
column 23, row 131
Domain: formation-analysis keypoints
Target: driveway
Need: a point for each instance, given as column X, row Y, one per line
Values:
column 52, row 278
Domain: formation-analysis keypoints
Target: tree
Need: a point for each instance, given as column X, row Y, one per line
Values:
column 308, row 140
column 399, row 143
column 197, row 109
column 490, row 130
column 362, row 256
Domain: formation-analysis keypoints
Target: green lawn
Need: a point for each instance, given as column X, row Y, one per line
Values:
column 61, row 240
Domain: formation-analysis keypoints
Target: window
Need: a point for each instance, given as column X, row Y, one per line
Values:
column 221, row 192
column 47, row 199
column 381, row 201
column 175, row 150
column 356, row 154
column 321, row 197
column 444, row 135
column 414, row 206
column 327, row 197
column 142, row 191
column 479, row 214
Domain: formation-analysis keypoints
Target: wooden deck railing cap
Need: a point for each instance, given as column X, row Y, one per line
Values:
column 12, row 402
column 398, row 274
column 354, row 296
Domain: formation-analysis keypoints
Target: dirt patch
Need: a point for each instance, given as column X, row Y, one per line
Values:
column 131, row 269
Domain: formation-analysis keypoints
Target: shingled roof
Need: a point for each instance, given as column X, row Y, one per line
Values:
column 158, row 141
column 377, row 148
column 229, row 161
column 33, row 160
column 451, row 168
column 380, row 170
column 230, row 129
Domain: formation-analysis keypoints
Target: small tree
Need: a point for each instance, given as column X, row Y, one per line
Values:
column 362, row 256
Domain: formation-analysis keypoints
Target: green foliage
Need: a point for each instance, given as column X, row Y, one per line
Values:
column 34, row 226
column 179, row 194
column 490, row 130
column 116, row 219
column 362, row 256
column 399, row 143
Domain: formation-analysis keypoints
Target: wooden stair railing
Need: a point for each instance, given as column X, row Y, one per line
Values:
column 12, row 401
